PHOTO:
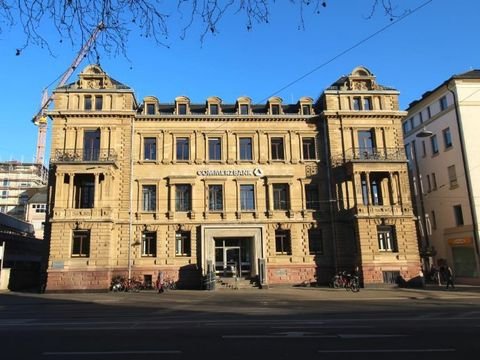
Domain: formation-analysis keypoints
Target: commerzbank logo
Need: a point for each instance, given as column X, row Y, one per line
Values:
column 234, row 172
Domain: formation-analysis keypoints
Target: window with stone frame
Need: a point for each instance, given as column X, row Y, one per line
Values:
column 277, row 148
column 308, row 148
column 183, row 197
column 149, row 198
column 247, row 197
column 214, row 149
column 246, row 153
column 84, row 189
column 387, row 238
column 281, row 199
column 183, row 243
column 283, row 243
column 183, row 149
column 149, row 244
column 150, row 148
column 315, row 242
column 215, row 197
column 312, row 197
column 81, row 243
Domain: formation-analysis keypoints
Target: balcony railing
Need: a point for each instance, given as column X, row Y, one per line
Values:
column 82, row 155
column 371, row 155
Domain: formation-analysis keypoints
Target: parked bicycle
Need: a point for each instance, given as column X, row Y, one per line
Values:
column 345, row 280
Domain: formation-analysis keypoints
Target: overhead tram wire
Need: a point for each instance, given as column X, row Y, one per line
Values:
column 411, row 12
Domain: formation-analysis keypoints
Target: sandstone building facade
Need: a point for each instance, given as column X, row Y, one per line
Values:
column 282, row 192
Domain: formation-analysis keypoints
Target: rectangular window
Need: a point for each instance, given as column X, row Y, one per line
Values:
column 315, row 242
column 149, row 195
column 429, row 112
column 182, row 109
column 434, row 220
column 91, row 145
column 386, row 238
column 429, row 184
column 215, row 197
column 5, row 182
column 447, row 138
column 283, row 245
column 434, row 143
column 149, row 243
column 213, row 109
column 214, row 149
column 367, row 103
column 98, row 102
column 357, row 103
column 306, row 110
column 150, row 109
column 84, row 187
column 183, row 197
column 312, row 197
column 81, row 243
column 420, row 117
column 87, row 102
column 182, row 243
column 457, row 211
column 247, row 197
column 183, row 149
column 246, row 149
column 243, row 109
column 277, row 148
column 308, row 147
column 4, row 194
column 424, row 149
column 275, row 109
column 452, row 176
column 434, row 182
column 280, row 197
column 443, row 103
column 150, row 148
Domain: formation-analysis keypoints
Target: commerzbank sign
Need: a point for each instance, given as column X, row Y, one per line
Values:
column 234, row 172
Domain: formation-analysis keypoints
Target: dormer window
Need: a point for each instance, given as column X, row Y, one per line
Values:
column 182, row 109
column 275, row 109
column 213, row 109
column 306, row 109
column 150, row 109
column 244, row 109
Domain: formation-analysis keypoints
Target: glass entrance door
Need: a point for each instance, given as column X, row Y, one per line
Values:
column 232, row 257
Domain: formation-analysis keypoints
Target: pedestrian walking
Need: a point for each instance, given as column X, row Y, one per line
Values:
column 449, row 277
column 160, row 283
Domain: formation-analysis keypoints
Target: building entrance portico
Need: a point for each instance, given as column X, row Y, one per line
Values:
column 232, row 250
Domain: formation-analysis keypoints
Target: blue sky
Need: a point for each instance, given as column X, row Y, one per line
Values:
column 413, row 55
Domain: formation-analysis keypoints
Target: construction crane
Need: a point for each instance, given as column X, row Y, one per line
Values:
column 40, row 119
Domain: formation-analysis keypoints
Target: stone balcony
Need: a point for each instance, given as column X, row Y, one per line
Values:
column 371, row 155
column 84, row 156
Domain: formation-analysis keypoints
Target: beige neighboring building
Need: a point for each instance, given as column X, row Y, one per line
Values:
column 441, row 137
column 36, row 210
column 277, row 193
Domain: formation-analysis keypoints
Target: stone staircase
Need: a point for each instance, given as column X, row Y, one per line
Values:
column 235, row 283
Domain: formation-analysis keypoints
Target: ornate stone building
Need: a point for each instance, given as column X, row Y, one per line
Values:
column 282, row 192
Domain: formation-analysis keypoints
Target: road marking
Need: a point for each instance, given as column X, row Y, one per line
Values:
column 126, row 352
column 299, row 334
column 387, row 350
column 313, row 326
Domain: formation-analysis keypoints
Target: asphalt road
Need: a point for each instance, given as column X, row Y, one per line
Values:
column 289, row 323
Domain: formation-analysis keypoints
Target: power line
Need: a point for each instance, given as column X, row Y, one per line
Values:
column 411, row 12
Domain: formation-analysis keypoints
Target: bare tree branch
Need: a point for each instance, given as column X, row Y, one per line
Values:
column 74, row 20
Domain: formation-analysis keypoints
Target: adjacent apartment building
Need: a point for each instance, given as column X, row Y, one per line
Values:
column 440, row 132
column 17, row 179
column 277, row 193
